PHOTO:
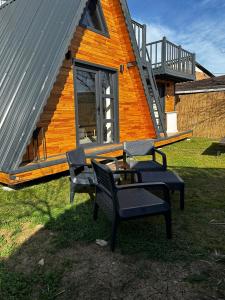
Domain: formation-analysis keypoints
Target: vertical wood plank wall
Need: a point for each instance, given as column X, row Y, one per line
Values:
column 58, row 117
column 169, row 94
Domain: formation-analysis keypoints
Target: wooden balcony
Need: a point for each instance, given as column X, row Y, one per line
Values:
column 167, row 59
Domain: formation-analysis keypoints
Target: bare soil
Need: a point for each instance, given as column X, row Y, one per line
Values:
column 93, row 272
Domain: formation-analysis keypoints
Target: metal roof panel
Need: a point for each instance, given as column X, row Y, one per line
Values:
column 34, row 37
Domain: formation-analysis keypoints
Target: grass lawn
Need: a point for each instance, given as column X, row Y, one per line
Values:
column 48, row 250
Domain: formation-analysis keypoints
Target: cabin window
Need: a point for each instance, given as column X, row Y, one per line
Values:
column 93, row 17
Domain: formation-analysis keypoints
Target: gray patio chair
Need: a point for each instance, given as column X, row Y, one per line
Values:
column 133, row 150
column 128, row 201
column 81, row 173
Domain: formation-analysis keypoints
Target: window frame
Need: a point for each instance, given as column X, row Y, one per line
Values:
column 101, row 17
column 87, row 66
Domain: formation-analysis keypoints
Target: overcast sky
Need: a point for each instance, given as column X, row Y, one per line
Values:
column 198, row 25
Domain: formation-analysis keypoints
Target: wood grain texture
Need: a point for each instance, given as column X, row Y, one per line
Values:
column 59, row 168
column 58, row 118
column 173, row 139
column 5, row 178
column 169, row 94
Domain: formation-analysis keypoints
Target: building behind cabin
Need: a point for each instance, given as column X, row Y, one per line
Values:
column 201, row 107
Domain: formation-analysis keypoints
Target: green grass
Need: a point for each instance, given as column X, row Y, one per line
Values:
column 194, row 234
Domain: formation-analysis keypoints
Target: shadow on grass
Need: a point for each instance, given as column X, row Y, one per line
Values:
column 215, row 149
column 193, row 235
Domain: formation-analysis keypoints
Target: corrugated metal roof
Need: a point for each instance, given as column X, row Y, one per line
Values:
column 34, row 37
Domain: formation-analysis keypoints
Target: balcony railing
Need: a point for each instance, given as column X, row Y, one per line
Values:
column 141, row 35
column 165, row 57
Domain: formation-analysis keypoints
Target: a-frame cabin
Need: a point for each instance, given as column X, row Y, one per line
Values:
column 70, row 75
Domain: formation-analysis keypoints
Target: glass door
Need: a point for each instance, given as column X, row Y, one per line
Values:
column 108, row 107
column 96, row 106
column 86, row 106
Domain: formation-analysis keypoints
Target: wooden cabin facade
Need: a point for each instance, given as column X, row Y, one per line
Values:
column 71, row 114
column 82, row 82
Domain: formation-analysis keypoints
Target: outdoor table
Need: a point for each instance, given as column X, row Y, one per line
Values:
column 173, row 181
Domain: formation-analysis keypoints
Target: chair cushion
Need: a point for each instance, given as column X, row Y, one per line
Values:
column 139, row 202
column 144, row 165
column 88, row 177
column 170, row 178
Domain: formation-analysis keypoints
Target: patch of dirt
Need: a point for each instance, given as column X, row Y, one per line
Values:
column 27, row 232
column 93, row 272
column 6, row 234
column 35, row 244
column 96, row 273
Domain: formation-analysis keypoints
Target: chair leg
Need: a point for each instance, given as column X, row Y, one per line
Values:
column 168, row 225
column 182, row 198
column 72, row 193
column 92, row 196
column 113, row 238
column 95, row 212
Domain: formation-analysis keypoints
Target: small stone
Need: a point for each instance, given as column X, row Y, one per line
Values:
column 101, row 243
column 41, row 262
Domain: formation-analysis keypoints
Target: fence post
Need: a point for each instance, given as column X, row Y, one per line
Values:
column 164, row 41
column 193, row 63
column 144, row 37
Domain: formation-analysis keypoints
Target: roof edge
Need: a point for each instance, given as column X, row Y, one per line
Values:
column 19, row 154
column 199, row 91
column 210, row 74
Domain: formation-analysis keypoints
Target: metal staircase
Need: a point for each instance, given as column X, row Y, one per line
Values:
column 140, row 33
column 156, row 104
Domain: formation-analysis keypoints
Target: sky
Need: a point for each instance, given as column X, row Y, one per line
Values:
column 197, row 25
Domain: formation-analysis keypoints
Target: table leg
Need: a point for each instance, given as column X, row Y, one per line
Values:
column 182, row 198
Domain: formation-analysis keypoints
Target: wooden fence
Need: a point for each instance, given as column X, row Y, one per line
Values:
column 204, row 113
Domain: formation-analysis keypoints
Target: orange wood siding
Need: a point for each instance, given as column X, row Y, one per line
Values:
column 5, row 178
column 47, row 171
column 58, row 117
column 169, row 94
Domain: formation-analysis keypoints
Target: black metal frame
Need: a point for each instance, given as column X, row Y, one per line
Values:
column 97, row 69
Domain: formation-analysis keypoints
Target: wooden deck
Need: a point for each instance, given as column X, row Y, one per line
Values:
column 55, row 165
